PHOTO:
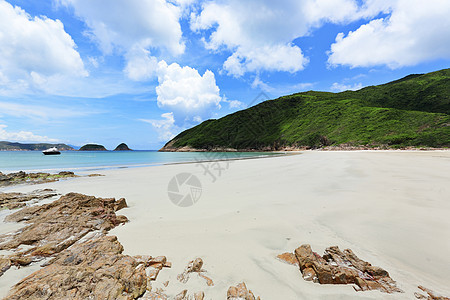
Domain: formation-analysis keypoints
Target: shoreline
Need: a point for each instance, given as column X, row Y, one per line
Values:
column 369, row 201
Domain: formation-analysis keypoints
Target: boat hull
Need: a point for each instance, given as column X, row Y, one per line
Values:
column 52, row 153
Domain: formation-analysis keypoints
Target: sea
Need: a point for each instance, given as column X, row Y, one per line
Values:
column 35, row 161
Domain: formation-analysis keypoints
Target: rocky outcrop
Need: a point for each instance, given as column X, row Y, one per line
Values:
column 430, row 295
column 93, row 147
column 32, row 178
column 17, row 200
column 336, row 267
column 93, row 269
column 122, row 147
column 56, row 226
column 240, row 292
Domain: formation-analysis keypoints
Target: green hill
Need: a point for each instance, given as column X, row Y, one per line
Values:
column 10, row 146
column 413, row 111
column 93, row 147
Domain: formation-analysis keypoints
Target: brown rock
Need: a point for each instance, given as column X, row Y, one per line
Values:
column 288, row 258
column 32, row 178
column 93, row 269
column 121, row 203
column 199, row 296
column 5, row 264
column 430, row 294
column 240, row 292
column 182, row 295
column 56, row 226
column 336, row 267
column 209, row 281
column 193, row 266
column 17, row 200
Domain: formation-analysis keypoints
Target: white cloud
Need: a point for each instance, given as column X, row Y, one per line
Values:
column 236, row 104
column 340, row 87
column 187, row 93
column 22, row 136
column 39, row 112
column 259, row 33
column 133, row 28
column 33, row 51
column 165, row 127
column 414, row 32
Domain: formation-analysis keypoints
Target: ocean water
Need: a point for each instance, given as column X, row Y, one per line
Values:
column 97, row 160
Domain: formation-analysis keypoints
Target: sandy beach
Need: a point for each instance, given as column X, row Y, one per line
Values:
column 391, row 208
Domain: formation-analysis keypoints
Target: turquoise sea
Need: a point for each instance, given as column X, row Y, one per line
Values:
column 96, row 160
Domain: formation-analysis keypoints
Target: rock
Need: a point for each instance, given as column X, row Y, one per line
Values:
column 288, row 258
column 5, row 264
column 66, row 174
column 199, row 296
column 193, row 266
column 56, row 226
column 155, row 265
column 240, row 292
column 121, row 203
column 17, row 200
column 181, row 295
column 93, row 269
column 95, row 175
column 430, row 294
column 122, row 147
column 336, row 267
column 209, row 281
column 32, row 178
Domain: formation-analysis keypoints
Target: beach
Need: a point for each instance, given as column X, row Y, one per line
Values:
column 391, row 208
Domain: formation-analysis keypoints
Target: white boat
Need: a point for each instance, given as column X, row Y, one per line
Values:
column 51, row 151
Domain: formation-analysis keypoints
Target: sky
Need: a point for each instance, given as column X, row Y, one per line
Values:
column 141, row 71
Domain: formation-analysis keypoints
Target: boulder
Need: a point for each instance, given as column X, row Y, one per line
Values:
column 337, row 267
column 240, row 292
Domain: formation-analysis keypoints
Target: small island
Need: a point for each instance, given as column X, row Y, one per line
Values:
column 122, row 147
column 93, row 147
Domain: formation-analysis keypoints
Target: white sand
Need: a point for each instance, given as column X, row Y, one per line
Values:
column 391, row 208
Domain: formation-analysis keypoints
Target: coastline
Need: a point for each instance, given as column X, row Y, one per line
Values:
column 388, row 206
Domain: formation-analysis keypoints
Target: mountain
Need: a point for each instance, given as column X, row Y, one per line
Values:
column 93, row 147
column 122, row 147
column 411, row 112
column 10, row 146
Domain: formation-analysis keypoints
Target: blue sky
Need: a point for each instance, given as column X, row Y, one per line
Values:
column 141, row 71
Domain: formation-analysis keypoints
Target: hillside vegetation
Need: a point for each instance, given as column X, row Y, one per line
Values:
column 10, row 146
column 413, row 111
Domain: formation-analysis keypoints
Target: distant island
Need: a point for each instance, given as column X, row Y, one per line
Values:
column 122, row 147
column 93, row 147
column 11, row 146
column 410, row 112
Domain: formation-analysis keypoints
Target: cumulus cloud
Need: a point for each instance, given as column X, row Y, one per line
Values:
column 34, row 50
column 340, row 87
column 22, row 136
column 260, row 33
column 165, row 127
column 415, row 31
column 133, row 28
column 186, row 93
